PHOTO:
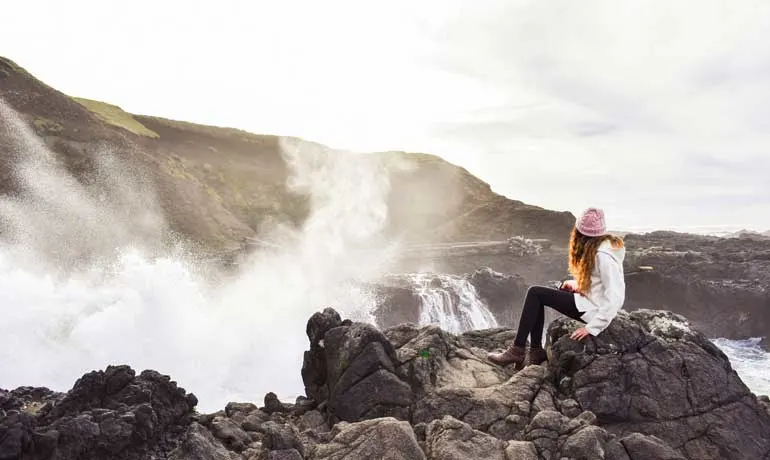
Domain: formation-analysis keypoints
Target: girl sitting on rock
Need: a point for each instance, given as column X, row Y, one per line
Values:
column 594, row 296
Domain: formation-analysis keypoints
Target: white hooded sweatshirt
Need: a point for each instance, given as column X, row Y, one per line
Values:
column 608, row 289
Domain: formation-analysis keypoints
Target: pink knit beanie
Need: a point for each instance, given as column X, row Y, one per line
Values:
column 592, row 223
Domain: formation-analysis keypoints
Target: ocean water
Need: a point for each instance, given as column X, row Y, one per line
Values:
column 706, row 230
column 750, row 361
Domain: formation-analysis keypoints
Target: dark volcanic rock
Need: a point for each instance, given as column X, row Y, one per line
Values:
column 28, row 399
column 650, row 387
column 503, row 294
column 450, row 438
column 281, row 437
column 385, row 438
column 651, row 372
column 200, row 444
column 351, row 368
column 722, row 285
column 640, row 446
column 273, row 404
column 361, row 375
column 397, row 302
column 107, row 414
column 764, row 401
column 314, row 364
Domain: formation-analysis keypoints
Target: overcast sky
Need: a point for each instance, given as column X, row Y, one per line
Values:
column 658, row 112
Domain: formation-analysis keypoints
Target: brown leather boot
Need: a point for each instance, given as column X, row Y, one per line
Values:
column 537, row 356
column 512, row 355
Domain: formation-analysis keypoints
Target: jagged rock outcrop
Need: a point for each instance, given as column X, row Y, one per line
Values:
column 351, row 368
column 651, row 372
column 652, row 384
column 107, row 414
column 650, row 387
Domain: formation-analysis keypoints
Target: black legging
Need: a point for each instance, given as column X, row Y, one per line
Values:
column 533, row 315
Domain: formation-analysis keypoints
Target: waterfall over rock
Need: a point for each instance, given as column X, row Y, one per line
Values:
column 451, row 302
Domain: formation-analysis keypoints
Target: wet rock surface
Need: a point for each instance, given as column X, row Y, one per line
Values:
column 650, row 387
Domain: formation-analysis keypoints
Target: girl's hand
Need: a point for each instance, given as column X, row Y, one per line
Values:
column 569, row 285
column 580, row 334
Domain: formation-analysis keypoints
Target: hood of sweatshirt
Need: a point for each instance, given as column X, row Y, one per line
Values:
column 619, row 254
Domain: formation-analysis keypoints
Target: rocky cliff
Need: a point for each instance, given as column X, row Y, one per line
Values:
column 721, row 284
column 218, row 187
column 650, row 387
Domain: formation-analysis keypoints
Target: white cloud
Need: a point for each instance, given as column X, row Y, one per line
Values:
column 343, row 72
column 620, row 104
column 628, row 99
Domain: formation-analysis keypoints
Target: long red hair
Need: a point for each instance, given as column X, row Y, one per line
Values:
column 582, row 256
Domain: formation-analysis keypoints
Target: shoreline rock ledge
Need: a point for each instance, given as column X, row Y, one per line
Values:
column 650, row 387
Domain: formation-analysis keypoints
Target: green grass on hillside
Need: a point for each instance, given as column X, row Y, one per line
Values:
column 9, row 63
column 215, row 131
column 7, row 66
column 11, row 66
column 115, row 116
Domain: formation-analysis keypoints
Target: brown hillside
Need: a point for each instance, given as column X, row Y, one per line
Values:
column 218, row 185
